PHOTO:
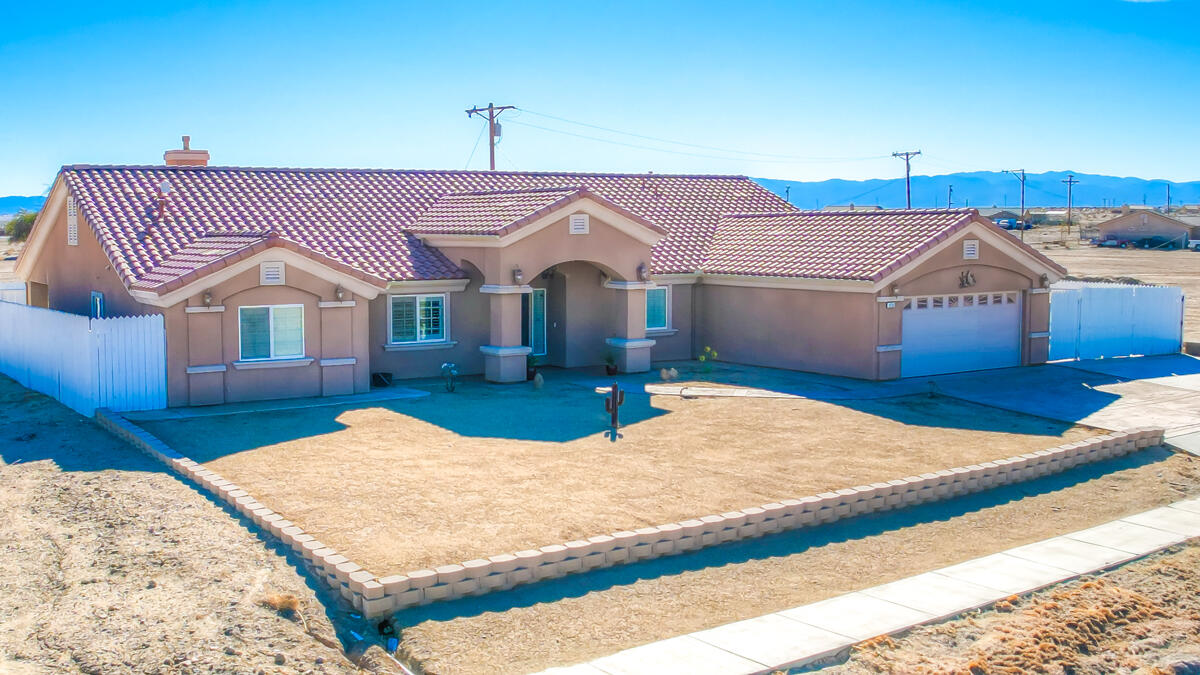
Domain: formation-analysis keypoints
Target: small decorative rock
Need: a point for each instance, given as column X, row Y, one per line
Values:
column 538, row 381
column 279, row 660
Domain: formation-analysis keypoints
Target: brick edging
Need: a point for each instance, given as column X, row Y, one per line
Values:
column 376, row 596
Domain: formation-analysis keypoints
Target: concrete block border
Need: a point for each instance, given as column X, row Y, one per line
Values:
column 377, row 597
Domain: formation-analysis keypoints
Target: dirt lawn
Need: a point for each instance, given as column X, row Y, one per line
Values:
column 493, row 469
column 1143, row 617
column 1175, row 268
column 110, row 565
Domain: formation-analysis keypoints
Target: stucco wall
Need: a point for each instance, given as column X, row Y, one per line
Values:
column 71, row 273
column 210, row 340
column 817, row 331
column 469, row 312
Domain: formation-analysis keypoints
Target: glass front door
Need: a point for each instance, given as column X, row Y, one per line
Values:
column 533, row 332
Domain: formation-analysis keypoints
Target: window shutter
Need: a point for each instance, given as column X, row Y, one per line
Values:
column 579, row 223
column 72, row 222
column 970, row 249
column 271, row 274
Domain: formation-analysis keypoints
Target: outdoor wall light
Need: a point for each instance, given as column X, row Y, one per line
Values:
column 518, row 276
column 207, row 299
column 643, row 273
column 1045, row 279
column 340, row 293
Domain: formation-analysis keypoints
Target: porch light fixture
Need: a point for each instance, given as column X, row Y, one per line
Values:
column 518, row 276
column 207, row 299
column 340, row 293
column 1045, row 279
column 643, row 274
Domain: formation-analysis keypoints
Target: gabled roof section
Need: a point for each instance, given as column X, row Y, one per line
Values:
column 502, row 212
column 365, row 219
column 845, row 245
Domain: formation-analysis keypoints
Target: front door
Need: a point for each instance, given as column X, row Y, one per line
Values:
column 533, row 310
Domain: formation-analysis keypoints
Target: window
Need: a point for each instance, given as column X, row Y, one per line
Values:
column 418, row 318
column 97, row 308
column 271, row 332
column 658, row 308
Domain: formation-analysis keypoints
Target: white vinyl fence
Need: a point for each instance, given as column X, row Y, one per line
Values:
column 1098, row 320
column 12, row 292
column 118, row 363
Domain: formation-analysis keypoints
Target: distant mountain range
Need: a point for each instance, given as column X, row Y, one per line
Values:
column 978, row 188
column 983, row 189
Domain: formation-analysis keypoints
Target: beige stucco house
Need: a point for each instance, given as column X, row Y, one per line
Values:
column 1133, row 226
column 303, row 282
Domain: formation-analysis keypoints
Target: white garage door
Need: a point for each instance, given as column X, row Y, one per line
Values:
column 954, row 333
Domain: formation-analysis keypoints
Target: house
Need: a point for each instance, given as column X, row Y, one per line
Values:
column 996, row 215
column 1135, row 225
column 1048, row 217
column 852, row 207
column 303, row 282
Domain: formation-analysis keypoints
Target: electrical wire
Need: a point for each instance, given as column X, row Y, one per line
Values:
column 773, row 156
column 475, row 147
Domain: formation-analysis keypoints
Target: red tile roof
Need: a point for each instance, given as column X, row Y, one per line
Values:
column 363, row 218
column 855, row 245
column 500, row 212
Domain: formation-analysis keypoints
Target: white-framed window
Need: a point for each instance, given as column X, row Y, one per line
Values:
column 268, row 332
column 658, row 308
column 417, row 318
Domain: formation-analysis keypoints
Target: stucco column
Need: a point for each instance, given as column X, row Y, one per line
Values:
column 630, row 346
column 1037, row 311
column 504, row 358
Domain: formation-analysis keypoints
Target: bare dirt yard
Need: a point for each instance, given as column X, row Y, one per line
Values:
column 576, row 619
column 1174, row 268
column 493, row 469
column 1141, row 618
column 8, row 250
column 110, row 565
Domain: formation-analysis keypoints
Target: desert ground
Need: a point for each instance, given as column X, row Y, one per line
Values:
column 495, row 469
column 111, row 565
column 1173, row 268
column 1141, row 618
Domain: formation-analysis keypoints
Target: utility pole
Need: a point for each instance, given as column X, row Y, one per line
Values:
column 1168, row 199
column 493, row 112
column 787, row 193
column 1019, row 174
column 1070, row 181
column 907, row 157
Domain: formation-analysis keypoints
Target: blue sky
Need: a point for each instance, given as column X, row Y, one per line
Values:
column 817, row 89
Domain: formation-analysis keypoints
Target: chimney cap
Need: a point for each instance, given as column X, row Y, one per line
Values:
column 186, row 156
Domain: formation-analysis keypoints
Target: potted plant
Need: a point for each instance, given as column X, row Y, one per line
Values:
column 610, row 363
column 531, row 367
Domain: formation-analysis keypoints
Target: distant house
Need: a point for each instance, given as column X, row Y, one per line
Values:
column 1136, row 225
column 1048, row 217
column 996, row 215
column 849, row 208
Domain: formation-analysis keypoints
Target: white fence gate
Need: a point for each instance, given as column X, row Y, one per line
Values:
column 1099, row 320
column 12, row 292
column 118, row 363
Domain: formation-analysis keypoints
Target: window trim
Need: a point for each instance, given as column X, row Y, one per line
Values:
column 445, row 337
column 666, row 288
column 271, row 335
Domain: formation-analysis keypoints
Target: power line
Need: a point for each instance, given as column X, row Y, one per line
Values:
column 713, row 148
column 907, row 174
column 493, row 111
column 474, row 147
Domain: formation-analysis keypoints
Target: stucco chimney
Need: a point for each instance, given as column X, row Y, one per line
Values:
column 186, row 156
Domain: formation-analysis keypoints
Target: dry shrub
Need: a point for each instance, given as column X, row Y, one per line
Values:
column 284, row 603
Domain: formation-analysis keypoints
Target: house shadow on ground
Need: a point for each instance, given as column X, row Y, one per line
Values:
column 769, row 546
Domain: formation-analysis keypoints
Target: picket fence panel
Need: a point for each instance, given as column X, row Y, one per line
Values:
column 12, row 292
column 1100, row 320
column 118, row 363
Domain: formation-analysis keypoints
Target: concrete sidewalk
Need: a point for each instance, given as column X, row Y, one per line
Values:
column 825, row 631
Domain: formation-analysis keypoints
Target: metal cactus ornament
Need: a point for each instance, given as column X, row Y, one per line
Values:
column 613, row 403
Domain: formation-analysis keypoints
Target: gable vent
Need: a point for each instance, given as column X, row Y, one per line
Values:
column 271, row 274
column 72, row 223
column 970, row 249
column 579, row 223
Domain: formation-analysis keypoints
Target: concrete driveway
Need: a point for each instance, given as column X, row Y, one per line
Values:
column 1117, row 394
